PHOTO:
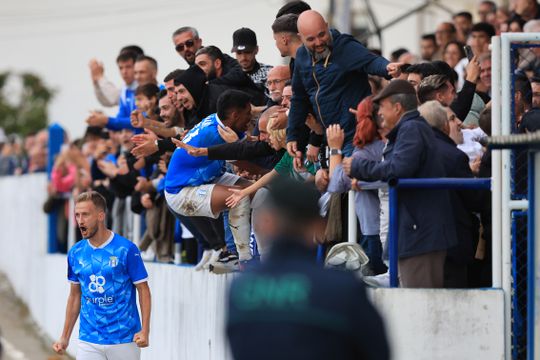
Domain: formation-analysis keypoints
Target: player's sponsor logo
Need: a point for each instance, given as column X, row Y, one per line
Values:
column 96, row 284
column 113, row 261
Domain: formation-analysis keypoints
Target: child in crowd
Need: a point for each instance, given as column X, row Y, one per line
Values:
column 146, row 99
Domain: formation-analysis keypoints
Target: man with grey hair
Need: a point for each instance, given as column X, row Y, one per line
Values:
column 426, row 224
column 464, row 202
column 186, row 43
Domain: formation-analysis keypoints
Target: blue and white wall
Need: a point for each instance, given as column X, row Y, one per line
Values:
column 188, row 306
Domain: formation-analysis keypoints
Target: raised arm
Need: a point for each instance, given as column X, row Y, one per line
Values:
column 238, row 195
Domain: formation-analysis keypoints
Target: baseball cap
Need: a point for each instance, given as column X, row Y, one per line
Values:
column 393, row 88
column 244, row 39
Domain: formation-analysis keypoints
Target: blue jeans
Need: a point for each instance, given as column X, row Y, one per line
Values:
column 373, row 248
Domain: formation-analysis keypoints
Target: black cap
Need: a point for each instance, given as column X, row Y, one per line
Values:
column 193, row 80
column 244, row 39
column 302, row 207
column 395, row 87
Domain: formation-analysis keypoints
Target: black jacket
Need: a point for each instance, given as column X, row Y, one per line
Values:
column 464, row 202
column 258, row 152
column 291, row 308
column 235, row 78
column 464, row 99
column 426, row 222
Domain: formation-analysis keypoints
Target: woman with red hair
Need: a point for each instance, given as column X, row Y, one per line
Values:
column 368, row 145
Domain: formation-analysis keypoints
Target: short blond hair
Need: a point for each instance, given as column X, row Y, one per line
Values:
column 95, row 198
column 279, row 134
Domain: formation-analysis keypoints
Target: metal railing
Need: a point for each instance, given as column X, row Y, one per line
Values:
column 434, row 183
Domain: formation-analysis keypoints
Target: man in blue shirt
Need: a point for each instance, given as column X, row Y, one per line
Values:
column 145, row 72
column 104, row 270
column 197, row 186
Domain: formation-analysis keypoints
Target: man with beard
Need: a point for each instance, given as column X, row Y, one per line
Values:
column 172, row 123
column 330, row 76
column 186, row 43
column 246, row 49
column 105, row 271
column 223, row 70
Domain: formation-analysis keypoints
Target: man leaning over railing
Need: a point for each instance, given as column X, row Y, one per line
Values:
column 426, row 224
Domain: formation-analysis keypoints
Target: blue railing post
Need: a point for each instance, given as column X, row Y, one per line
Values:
column 56, row 139
column 531, row 257
column 393, row 235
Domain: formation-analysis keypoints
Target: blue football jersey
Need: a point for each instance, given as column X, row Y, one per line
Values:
column 186, row 170
column 107, row 276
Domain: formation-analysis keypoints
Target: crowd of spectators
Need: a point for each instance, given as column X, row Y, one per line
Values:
column 194, row 152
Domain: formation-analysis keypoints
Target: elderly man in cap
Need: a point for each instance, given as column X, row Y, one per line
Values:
column 330, row 76
column 426, row 223
column 288, row 305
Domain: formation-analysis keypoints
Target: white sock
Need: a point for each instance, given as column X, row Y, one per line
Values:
column 239, row 217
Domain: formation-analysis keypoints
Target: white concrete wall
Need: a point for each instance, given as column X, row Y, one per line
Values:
column 57, row 38
column 188, row 307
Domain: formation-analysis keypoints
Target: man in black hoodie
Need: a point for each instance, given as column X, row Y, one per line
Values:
column 198, row 98
column 221, row 69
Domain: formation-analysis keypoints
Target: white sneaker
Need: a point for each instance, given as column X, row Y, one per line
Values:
column 205, row 258
column 214, row 257
column 381, row 280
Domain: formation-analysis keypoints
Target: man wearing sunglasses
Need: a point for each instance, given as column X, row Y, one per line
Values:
column 186, row 42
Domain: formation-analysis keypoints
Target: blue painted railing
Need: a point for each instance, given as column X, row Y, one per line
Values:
column 431, row 183
column 56, row 140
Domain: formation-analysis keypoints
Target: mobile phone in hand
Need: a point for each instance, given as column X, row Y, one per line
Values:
column 468, row 52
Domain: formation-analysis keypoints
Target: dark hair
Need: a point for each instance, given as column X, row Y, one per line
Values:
column 535, row 79
column 212, row 51
column 148, row 90
column 173, row 75
column 231, row 100
column 523, row 85
column 150, row 59
column 464, row 14
column 422, row 69
column 184, row 29
column 96, row 198
column 445, row 69
column 430, row 37
column 288, row 82
column 293, row 7
column 451, row 25
column 459, row 46
column 397, row 53
column 126, row 56
column 287, row 23
column 490, row 3
column 162, row 94
column 486, row 28
column 430, row 85
column 518, row 19
column 132, row 48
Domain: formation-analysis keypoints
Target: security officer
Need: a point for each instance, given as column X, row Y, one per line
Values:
column 289, row 307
